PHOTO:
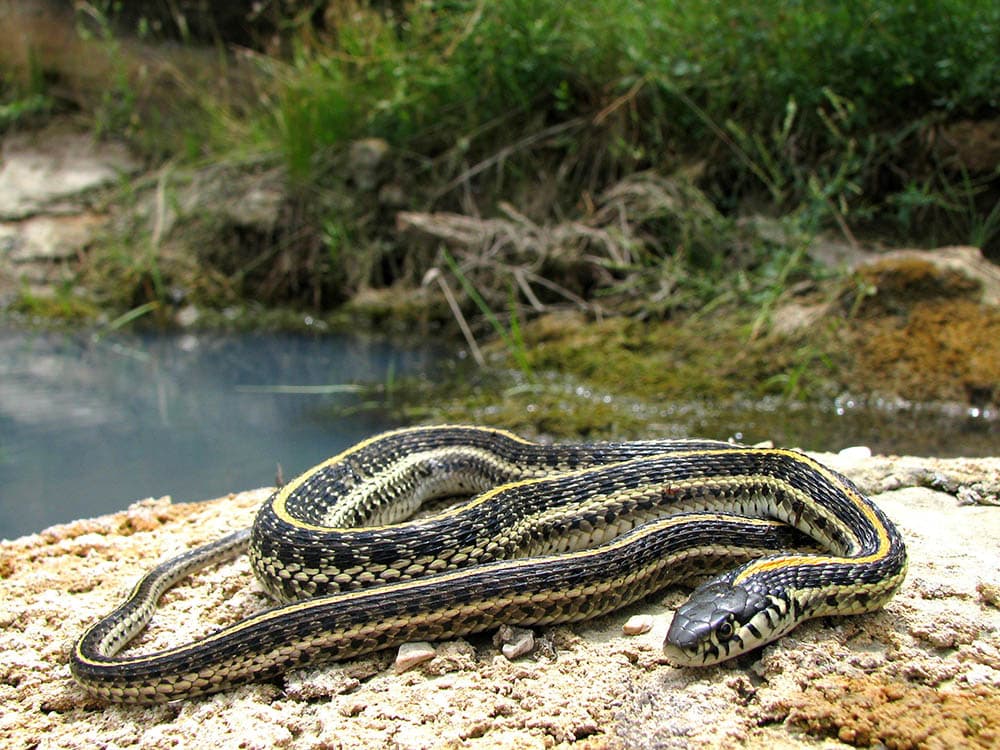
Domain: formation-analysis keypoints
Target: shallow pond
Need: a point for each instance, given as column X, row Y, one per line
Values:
column 91, row 424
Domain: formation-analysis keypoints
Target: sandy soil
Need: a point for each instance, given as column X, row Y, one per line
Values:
column 924, row 672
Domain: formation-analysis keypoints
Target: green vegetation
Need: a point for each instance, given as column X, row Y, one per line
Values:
column 622, row 377
column 823, row 106
column 612, row 149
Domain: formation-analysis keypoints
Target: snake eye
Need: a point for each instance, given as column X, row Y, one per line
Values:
column 725, row 630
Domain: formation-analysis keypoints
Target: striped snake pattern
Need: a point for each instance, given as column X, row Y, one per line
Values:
column 546, row 534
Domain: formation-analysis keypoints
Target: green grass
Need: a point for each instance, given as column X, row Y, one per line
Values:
column 825, row 106
column 452, row 69
column 826, row 114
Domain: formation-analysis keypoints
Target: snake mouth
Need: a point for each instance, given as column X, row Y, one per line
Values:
column 682, row 657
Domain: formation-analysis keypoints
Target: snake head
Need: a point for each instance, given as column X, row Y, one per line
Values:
column 719, row 621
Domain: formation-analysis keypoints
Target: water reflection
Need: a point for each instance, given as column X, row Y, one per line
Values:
column 88, row 426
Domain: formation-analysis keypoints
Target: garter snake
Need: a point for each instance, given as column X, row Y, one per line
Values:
column 552, row 533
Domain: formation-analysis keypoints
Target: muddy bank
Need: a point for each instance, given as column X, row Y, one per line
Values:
column 901, row 328
column 86, row 235
column 925, row 672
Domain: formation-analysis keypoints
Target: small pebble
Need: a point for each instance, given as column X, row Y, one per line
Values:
column 856, row 453
column 412, row 654
column 514, row 642
column 187, row 316
column 968, row 496
column 989, row 593
column 638, row 624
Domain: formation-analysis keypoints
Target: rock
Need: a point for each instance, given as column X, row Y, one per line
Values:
column 217, row 195
column 47, row 183
column 927, row 663
column 49, row 170
column 638, row 624
column 901, row 277
column 40, row 251
column 514, row 642
column 187, row 316
column 990, row 593
column 855, row 453
column 412, row 654
column 47, row 239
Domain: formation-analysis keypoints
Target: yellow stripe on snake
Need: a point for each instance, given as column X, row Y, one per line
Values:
column 548, row 534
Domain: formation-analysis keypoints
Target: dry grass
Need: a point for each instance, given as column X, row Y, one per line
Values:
column 613, row 246
column 160, row 96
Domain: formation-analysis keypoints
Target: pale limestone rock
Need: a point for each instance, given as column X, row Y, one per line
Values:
column 927, row 662
column 637, row 625
column 412, row 654
column 46, row 171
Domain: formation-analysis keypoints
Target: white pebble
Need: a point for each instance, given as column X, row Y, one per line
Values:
column 856, row 453
column 412, row 654
column 638, row 624
column 515, row 641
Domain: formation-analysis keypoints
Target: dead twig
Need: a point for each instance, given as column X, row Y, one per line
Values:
column 435, row 275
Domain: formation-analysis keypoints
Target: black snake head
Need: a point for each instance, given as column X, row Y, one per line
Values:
column 719, row 621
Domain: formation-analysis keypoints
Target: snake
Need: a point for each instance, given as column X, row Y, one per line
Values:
column 539, row 534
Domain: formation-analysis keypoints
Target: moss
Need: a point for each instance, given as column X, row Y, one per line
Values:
column 687, row 358
column 621, row 377
column 558, row 406
column 400, row 308
column 937, row 350
column 61, row 307
column 618, row 376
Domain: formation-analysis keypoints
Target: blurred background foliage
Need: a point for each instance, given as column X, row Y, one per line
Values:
column 869, row 119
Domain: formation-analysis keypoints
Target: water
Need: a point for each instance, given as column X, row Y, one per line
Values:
column 888, row 426
column 88, row 426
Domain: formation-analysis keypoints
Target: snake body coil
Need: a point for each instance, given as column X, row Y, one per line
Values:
column 552, row 533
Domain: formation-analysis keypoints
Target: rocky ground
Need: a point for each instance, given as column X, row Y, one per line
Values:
column 924, row 672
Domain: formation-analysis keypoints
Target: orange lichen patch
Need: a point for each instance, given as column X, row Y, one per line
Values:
column 940, row 350
column 894, row 714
